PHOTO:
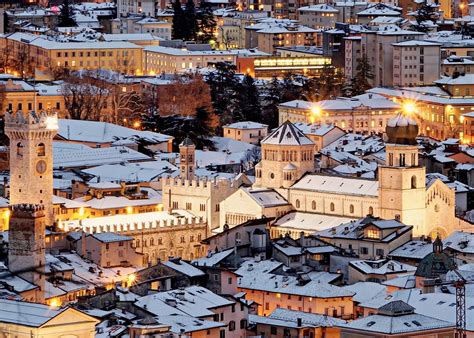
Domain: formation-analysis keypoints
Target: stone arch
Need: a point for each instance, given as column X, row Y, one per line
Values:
column 438, row 231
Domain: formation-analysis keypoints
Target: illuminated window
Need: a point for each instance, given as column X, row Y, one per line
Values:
column 372, row 233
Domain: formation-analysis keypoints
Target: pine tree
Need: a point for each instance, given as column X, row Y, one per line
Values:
column 206, row 24
column 179, row 21
column 425, row 13
column 66, row 15
column 362, row 80
column 270, row 102
column 248, row 108
column 224, row 91
column 191, row 21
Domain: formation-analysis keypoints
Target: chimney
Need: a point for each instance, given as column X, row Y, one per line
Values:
column 397, row 217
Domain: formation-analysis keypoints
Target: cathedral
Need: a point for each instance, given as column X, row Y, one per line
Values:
column 400, row 191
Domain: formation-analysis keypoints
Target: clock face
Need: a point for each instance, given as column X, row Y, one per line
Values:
column 41, row 166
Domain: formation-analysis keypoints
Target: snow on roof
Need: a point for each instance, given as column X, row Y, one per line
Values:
column 366, row 290
column 103, row 132
column 266, row 198
column 314, row 128
column 131, row 37
column 287, row 134
column 337, row 185
column 213, row 258
column 403, row 282
column 381, row 267
column 184, row 52
column 250, row 266
column 131, row 172
column 352, row 229
column 195, row 301
column 246, row 125
column 88, row 157
column 310, row 221
column 319, row 8
column 380, row 9
column 110, row 237
column 414, row 249
column 67, row 203
column 289, row 318
column 184, row 268
column 437, row 305
column 416, row 43
column 225, row 144
column 178, row 323
column 115, row 202
column 129, row 219
column 255, row 280
column 466, row 79
column 27, row 314
column 18, row 284
column 457, row 186
column 397, row 324
column 460, row 241
column 56, row 45
column 88, row 272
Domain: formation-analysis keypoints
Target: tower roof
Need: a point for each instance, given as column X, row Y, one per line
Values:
column 287, row 134
column 402, row 130
column 186, row 142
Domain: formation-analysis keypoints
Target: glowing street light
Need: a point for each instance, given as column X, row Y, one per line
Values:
column 316, row 113
column 409, row 107
column 131, row 278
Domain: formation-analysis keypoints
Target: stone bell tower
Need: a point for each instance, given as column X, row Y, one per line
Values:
column 31, row 159
column 402, row 179
column 187, row 151
column 26, row 251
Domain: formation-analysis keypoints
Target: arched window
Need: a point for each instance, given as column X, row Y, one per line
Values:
column 238, row 241
column 351, row 208
column 19, row 149
column 371, row 210
column 297, row 203
column 413, row 182
column 331, row 207
column 313, row 205
column 41, row 150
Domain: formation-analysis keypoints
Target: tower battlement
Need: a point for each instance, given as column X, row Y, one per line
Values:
column 27, row 121
column 198, row 183
column 27, row 210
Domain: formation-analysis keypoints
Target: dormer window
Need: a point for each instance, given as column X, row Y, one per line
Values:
column 373, row 234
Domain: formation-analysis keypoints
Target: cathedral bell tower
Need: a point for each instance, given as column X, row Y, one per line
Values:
column 31, row 159
column 402, row 178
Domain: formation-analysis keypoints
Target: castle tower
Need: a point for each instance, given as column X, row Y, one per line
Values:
column 187, row 150
column 287, row 154
column 31, row 159
column 402, row 178
column 26, row 252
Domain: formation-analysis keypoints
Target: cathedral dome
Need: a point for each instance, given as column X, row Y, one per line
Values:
column 402, row 130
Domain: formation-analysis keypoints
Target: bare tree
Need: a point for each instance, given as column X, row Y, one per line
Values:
column 84, row 99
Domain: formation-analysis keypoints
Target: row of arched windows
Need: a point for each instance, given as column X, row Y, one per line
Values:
column 332, row 207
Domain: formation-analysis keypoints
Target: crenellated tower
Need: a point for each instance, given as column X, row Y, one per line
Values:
column 31, row 158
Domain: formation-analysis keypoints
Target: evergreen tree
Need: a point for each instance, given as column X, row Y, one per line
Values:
column 179, row 21
column 423, row 15
column 249, row 108
column 311, row 89
column 191, row 21
column 206, row 24
column 270, row 102
column 290, row 88
column 66, row 15
column 224, row 91
column 363, row 77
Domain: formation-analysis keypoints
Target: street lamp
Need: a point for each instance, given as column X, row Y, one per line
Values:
column 409, row 107
column 315, row 113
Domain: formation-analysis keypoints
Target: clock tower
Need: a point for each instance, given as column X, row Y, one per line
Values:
column 31, row 159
